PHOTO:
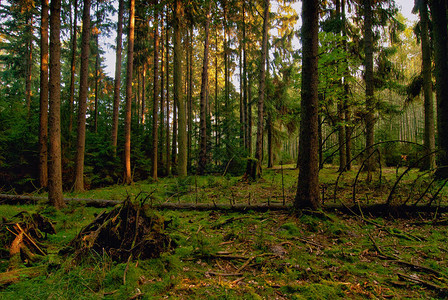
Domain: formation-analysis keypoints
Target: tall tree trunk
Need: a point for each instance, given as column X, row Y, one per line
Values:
column 167, row 62
column 217, row 116
column 127, row 178
column 348, row 129
column 55, row 159
column 117, row 79
column 178, row 98
column 429, row 134
column 438, row 12
column 190, row 97
column 97, row 79
column 162, row 102
column 29, row 62
column 308, row 182
column 203, row 97
column 341, row 102
column 73, row 67
column 43, row 116
column 155, row 117
column 245, row 91
column 143, row 98
column 262, row 90
column 368, row 65
column 82, row 101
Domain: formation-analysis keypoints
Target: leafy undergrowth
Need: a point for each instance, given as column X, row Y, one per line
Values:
column 272, row 255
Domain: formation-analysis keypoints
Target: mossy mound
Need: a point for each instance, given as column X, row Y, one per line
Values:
column 126, row 232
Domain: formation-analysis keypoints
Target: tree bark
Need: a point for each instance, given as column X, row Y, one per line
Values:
column 73, row 67
column 97, row 80
column 190, row 97
column 29, row 63
column 368, row 65
column 203, row 97
column 43, row 116
column 155, row 116
column 178, row 98
column 55, row 160
column 262, row 90
column 438, row 12
column 167, row 62
column 117, row 79
column 429, row 134
column 127, row 178
column 82, row 101
column 308, row 182
column 341, row 103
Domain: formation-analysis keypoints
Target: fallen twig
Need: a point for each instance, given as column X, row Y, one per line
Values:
column 424, row 283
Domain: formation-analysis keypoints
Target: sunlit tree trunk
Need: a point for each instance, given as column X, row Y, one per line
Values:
column 127, row 178
column 55, row 159
column 117, row 80
column 82, row 101
column 308, row 181
column 43, row 116
column 203, row 97
column 178, row 97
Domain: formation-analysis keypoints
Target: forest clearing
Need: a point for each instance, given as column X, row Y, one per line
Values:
column 220, row 253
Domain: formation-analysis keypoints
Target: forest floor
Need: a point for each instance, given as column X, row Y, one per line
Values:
column 222, row 254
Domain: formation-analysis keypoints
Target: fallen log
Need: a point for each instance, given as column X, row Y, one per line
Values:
column 16, row 275
column 27, row 199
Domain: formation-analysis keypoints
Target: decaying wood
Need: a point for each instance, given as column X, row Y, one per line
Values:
column 19, row 274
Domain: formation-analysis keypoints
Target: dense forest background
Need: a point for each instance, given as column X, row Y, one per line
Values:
column 215, row 87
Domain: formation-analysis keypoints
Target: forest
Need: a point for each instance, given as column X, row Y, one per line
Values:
column 241, row 149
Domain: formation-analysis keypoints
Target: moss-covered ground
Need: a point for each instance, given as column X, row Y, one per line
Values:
column 253, row 255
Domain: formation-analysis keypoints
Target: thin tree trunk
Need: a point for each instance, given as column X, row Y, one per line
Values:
column 190, row 97
column 43, row 116
column 348, row 129
column 368, row 65
column 117, row 79
column 73, row 68
column 308, row 181
column 429, row 134
column 82, row 101
column 245, row 91
column 97, row 79
column 270, row 146
column 178, row 98
column 127, row 179
column 167, row 62
column 262, row 91
column 161, row 148
column 341, row 103
column 143, row 97
column 55, row 159
column 155, row 117
column 203, row 97
column 217, row 116
column 29, row 63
